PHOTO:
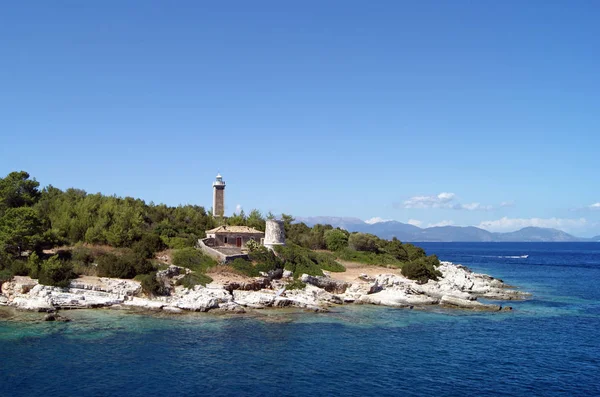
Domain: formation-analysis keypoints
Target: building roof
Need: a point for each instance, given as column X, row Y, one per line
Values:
column 234, row 229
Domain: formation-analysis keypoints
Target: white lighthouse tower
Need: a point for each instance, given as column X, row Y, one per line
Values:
column 219, row 196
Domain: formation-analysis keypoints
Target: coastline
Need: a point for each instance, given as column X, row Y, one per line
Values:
column 458, row 288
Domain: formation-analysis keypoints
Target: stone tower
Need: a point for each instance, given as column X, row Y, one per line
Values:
column 219, row 196
column 274, row 233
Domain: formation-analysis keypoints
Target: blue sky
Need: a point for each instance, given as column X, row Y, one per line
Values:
column 466, row 113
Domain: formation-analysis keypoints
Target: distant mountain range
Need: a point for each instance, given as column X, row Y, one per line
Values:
column 406, row 232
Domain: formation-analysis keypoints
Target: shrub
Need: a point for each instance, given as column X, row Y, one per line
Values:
column 396, row 249
column 295, row 284
column 5, row 275
column 149, row 245
column 56, row 272
column 244, row 267
column 422, row 269
column 127, row 265
column 336, row 239
column 180, row 242
column 192, row 279
column 139, row 262
column 110, row 265
column 82, row 255
column 34, row 265
column 192, row 259
column 150, row 284
column 363, row 242
column 253, row 246
column 19, row 268
column 414, row 252
column 265, row 260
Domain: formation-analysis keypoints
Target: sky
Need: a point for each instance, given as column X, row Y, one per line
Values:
column 479, row 113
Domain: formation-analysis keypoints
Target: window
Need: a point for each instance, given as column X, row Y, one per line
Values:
column 225, row 239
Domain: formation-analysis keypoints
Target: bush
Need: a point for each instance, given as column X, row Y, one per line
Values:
column 301, row 260
column 396, row 249
column 5, row 275
column 110, row 265
column 192, row 279
column 150, row 284
column 19, row 268
column 34, row 265
column 336, row 239
column 422, row 269
column 244, row 267
column 180, row 242
column 414, row 252
column 363, row 242
column 295, row 284
column 193, row 259
column 265, row 260
column 149, row 245
column 82, row 255
column 56, row 272
column 127, row 265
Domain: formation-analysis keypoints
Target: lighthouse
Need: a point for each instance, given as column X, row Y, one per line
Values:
column 219, row 196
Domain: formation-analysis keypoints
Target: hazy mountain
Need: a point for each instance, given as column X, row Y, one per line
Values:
column 536, row 234
column 406, row 232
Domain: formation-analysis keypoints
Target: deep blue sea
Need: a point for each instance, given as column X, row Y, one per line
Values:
column 548, row 346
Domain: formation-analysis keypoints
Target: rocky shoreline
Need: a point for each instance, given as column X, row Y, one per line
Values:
column 458, row 287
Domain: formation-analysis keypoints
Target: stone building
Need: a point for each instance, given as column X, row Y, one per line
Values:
column 233, row 236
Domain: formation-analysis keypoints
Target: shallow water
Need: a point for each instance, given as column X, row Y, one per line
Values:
column 547, row 346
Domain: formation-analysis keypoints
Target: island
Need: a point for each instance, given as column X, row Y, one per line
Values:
column 70, row 250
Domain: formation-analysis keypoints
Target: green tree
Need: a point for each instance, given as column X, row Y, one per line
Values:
column 17, row 190
column 56, row 272
column 20, row 230
column 396, row 249
column 363, row 242
column 336, row 239
column 256, row 220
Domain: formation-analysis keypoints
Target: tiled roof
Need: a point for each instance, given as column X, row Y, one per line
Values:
column 234, row 229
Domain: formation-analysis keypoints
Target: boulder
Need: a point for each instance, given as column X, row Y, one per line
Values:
column 328, row 284
column 256, row 284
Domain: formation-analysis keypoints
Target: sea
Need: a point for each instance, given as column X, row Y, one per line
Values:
column 549, row 345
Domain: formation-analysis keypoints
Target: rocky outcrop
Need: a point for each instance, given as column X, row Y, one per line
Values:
column 458, row 287
column 327, row 283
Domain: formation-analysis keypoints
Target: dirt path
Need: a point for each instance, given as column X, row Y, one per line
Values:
column 354, row 269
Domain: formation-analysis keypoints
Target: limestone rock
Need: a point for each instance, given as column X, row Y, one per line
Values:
column 328, row 284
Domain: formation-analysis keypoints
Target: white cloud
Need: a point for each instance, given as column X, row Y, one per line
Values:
column 595, row 206
column 507, row 204
column 238, row 208
column 376, row 220
column 443, row 200
column 442, row 223
column 511, row 224
column 475, row 207
column 414, row 222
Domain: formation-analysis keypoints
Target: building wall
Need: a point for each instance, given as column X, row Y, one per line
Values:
column 218, row 201
column 232, row 238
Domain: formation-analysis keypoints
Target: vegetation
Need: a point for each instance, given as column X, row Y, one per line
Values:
column 193, row 279
column 33, row 220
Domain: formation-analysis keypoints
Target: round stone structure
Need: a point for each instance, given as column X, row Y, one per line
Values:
column 274, row 233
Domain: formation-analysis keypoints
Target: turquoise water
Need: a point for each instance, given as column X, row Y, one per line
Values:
column 547, row 346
